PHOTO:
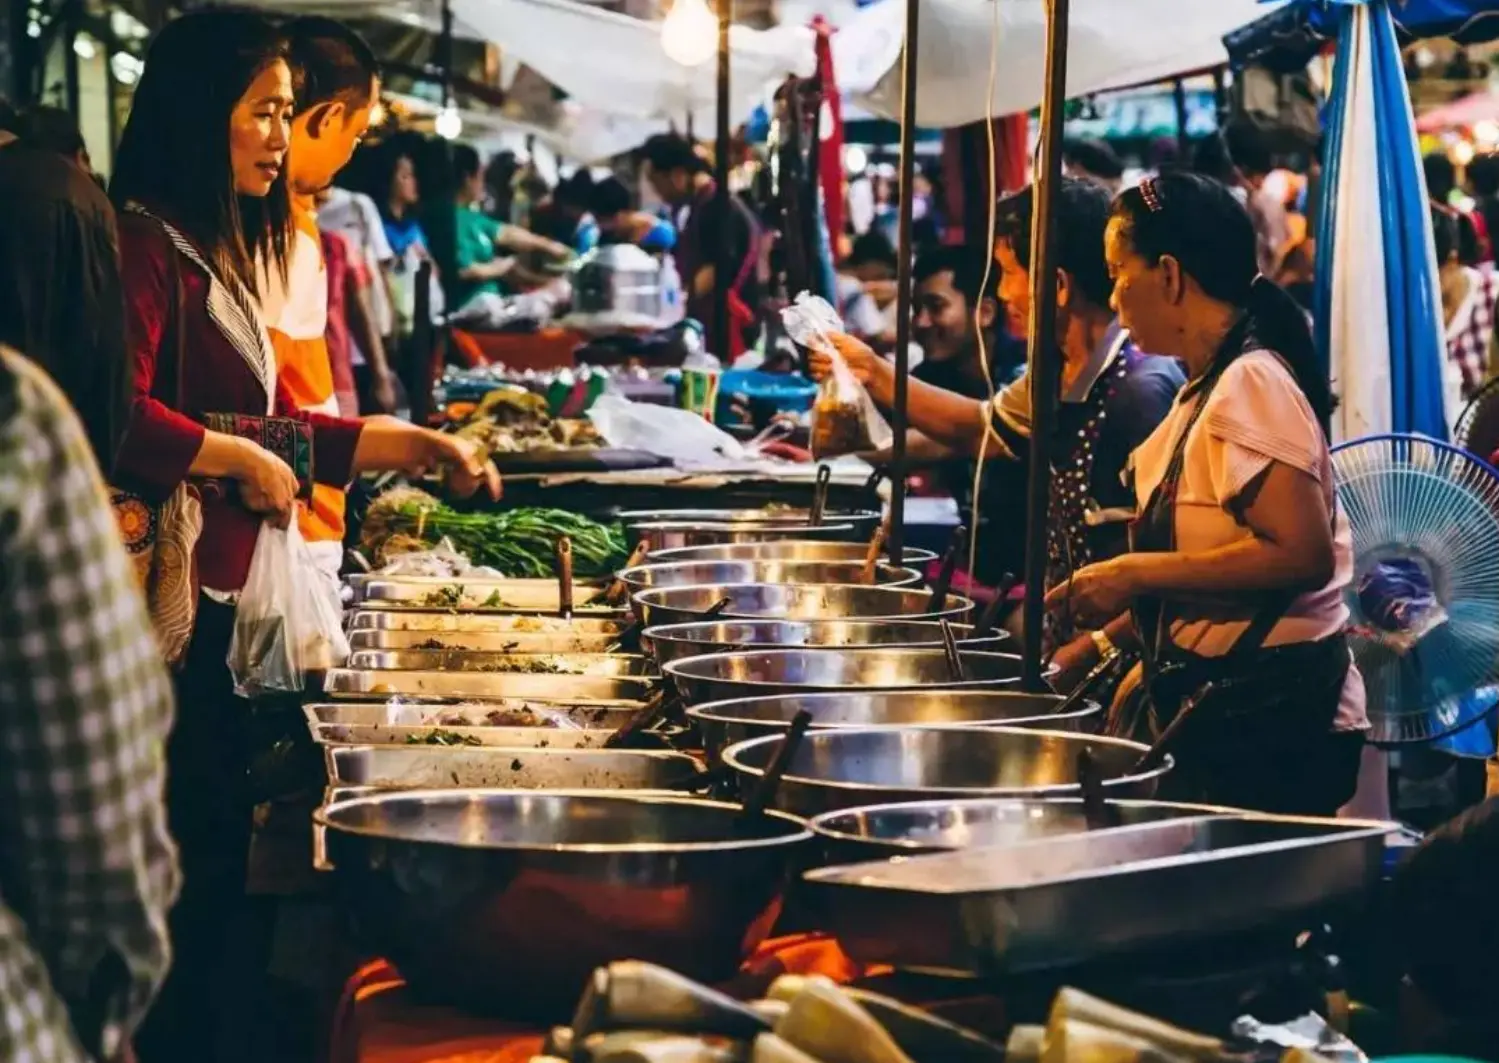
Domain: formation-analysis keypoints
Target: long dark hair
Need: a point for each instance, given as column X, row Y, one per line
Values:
column 1197, row 221
column 174, row 152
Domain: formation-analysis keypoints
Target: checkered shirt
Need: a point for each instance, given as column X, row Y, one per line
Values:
column 1469, row 337
column 87, row 869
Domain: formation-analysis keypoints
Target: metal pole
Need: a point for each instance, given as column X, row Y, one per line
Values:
column 1045, row 365
column 1179, row 98
column 897, row 540
column 725, row 267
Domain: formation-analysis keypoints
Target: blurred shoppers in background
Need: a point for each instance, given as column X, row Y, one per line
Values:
column 54, row 129
column 409, row 248
column 871, row 265
column 1483, row 183
column 88, row 869
column 1468, row 303
column 345, row 279
column 1093, row 160
column 60, row 300
column 1441, row 188
column 486, row 247
column 620, row 223
column 354, row 216
column 681, row 178
column 1253, row 161
column 572, row 206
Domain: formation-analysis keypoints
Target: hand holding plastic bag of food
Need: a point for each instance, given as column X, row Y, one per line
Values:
column 288, row 621
column 844, row 417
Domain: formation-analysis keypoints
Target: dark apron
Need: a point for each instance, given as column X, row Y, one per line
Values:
column 1253, row 728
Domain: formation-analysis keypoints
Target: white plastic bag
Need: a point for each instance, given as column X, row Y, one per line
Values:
column 844, row 419
column 288, row 621
column 681, row 436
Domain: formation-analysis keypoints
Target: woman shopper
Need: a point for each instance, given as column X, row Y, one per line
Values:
column 200, row 185
column 1233, row 589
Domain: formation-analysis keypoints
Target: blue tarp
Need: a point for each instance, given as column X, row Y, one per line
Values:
column 1290, row 36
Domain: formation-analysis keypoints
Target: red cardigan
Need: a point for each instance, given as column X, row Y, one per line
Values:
column 161, row 441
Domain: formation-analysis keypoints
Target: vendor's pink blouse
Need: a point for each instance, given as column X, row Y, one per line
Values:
column 1255, row 415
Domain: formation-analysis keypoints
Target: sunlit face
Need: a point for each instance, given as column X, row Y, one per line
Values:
column 1014, row 288
column 324, row 137
column 941, row 320
column 260, row 130
column 1145, row 294
column 671, row 186
column 403, row 187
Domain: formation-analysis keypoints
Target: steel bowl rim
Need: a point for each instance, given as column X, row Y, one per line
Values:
column 729, row 757
column 665, row 632
column 641, row 517
column 954, row 605
column 627, row 575
column 803, row 833
column 674, row 669
column 818, row 823
column 921, row 556
column 701, row 713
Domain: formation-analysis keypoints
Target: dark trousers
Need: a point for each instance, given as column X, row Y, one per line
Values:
column 218, row 949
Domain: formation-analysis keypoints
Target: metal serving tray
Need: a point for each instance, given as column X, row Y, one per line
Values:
column 551, row 664
column 1077, row 898
column 359, row 683
column 480, row 641
column 342, row 734
column 606, row 715
column 470, row 592
column 448, row 768
column 482, row 623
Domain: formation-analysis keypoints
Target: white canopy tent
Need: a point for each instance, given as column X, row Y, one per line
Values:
column 1111, row 44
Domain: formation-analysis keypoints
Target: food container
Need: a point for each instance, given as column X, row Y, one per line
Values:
column 756, row 673
column 787, row 601
column 503, row 902
column 362, row 684
column 539, row 664
column 618, row 283
column 850, row 768
column 670, row 642
column 531, row 712
column 691, row 573
column 783, row 550
column 449, row 623
column 723, row 723
column 446, row 768
column 670, row 534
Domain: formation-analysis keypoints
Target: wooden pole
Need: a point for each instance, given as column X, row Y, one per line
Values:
column 903, row 250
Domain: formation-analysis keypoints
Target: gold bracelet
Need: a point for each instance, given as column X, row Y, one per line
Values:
column 1103, row 644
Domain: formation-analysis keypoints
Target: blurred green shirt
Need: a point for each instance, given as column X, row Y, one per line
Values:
column 476, row 233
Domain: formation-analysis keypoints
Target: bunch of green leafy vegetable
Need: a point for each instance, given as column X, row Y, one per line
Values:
column 519, row 542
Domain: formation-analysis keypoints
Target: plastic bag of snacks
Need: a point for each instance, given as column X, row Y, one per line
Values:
column 288, row 621
column 844, row 418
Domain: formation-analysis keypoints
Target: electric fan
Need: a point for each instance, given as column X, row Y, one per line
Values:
column 1425, row 589
column 1477, row 430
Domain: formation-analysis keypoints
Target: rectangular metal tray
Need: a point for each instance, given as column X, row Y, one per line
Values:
column 488, row 596
column 360, row 683
column 520, row 591
column 377, row 734
column 599, row 716
column 541, row 664
column 1063, row 901
column 485, row 623
column 420, row 767
column 481, row 641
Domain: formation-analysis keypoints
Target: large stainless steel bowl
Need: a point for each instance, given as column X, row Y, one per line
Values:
column 696, row 573
column 504, row 901
column 669, row 534
column 783, row 550
column 672, row 641
column 757, row 673
column 788, row 601
column 846, row 769
column 875, row 832
column 865, row 521
column 723, row 723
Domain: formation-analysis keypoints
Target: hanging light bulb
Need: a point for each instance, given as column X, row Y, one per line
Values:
column 689, row 33
column 449, row 124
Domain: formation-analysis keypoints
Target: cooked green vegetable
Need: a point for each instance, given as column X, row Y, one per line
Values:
column 438, row 737
column 518, row 542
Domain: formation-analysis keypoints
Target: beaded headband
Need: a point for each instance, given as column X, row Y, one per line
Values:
column 1150, row 195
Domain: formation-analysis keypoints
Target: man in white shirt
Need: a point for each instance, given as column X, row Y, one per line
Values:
column 354, row 216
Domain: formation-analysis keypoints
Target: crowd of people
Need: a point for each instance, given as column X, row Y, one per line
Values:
column 184, row 356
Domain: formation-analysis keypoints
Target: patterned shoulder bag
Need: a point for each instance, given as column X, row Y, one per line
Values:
column 162, row 539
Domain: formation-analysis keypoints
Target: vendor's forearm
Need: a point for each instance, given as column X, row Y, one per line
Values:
column 921, row 450
column 388, row 443
column 1250, row 565
column 955, row 421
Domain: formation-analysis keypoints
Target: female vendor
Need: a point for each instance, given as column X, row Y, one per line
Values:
column 1233, row 587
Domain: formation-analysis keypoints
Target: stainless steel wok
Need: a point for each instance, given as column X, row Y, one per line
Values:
column 781, row 550
column 693, row 573
column 505, row 901
column 850, row 768
column 875, row 832
column 723, row 723
column 786, row 601
column 756, row 673
column 670, row 642
column 669, row 534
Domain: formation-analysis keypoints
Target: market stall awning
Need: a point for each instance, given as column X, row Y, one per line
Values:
column 1111, row 44
column 1460, row 114
column 1289, row 37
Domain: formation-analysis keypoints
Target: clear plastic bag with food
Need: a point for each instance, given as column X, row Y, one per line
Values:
column 844, row 418
column 288, row 621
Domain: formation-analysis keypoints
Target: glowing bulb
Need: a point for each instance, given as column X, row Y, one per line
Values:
column 448, row 123
column 689, row 33
column 855, row 159
column 1486, row 133
column 1462, row 153
column 83, row 46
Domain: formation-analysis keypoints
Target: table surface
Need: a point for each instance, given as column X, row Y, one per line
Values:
column 378, row 1022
